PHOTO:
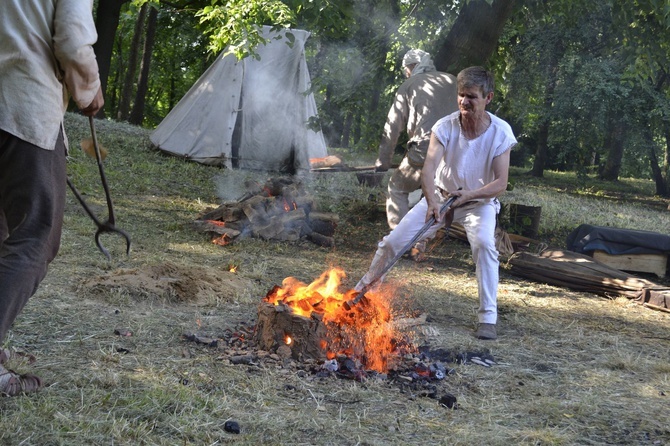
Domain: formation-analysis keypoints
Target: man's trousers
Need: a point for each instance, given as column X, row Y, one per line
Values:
column 32, row 201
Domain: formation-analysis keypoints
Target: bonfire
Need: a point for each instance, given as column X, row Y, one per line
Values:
column 311, row 320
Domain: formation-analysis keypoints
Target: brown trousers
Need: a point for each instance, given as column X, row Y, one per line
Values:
column 32, row 201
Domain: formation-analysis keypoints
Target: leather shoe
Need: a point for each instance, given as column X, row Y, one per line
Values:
column 486, row 331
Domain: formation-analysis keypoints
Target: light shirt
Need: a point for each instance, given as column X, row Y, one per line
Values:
column 45, row 45
column 419, row 102
column 468, row 163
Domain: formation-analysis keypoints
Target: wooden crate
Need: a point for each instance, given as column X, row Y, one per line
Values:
column 647, row 263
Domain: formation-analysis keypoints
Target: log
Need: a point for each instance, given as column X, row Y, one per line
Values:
column 647, row 263
column 255, row 208
column 287, row 218
column 321, row 240
column 278, row 210
column 324, row 216
column 277, row 186
column 225, row 212
column 277, row 323
column 327, row 161
column 576, row 271
column 323, row 227
column 525, row 219
column 305, row 202
column 289, row 234
column 211, row 226
column 266, row 229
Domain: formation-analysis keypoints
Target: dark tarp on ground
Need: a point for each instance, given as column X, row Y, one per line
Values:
column 587, row 238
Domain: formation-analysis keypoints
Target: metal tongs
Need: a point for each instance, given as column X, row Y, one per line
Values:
column 107, row 225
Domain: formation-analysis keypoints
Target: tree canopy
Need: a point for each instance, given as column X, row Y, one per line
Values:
column 585, row 86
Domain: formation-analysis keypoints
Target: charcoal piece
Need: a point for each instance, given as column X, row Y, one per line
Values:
column 241, row 359
column 231, row 426
column 438, row 354
column 448, row 400
column 349, row 365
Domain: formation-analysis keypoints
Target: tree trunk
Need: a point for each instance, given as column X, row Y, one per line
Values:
column 542, row 148
column 660, row 174
column 106, row 22
column 474, row 36
column 137, row 115
column 666, row 162
column 657, row 174
column 346, row 130
column 614, row 144
column 357, row 127
column 131, row 71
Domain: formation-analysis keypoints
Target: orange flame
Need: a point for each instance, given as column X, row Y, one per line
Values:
column 364, row 331
column 222, row 240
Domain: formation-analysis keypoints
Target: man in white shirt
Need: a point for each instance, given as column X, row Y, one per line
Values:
column 46, row 52
column 468, row 157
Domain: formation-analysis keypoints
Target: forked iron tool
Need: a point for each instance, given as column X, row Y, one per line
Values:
column 107, row 225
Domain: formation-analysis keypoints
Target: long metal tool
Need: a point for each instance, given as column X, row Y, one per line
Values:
column 107, row 225
column 350, row 303
column 370, row 168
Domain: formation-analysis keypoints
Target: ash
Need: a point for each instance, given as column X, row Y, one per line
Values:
column 418, row 372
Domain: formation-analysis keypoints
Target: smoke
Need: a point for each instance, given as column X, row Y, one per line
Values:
column 230, row 186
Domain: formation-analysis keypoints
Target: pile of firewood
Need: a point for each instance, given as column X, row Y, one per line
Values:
column 280, row 209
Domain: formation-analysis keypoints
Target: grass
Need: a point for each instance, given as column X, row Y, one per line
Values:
column 573, row 368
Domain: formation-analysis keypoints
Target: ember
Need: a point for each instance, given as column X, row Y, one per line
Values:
column 311, row 319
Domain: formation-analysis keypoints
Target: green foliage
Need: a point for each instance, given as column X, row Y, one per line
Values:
column 234, row 24
column 178, row 60
column 607, row 63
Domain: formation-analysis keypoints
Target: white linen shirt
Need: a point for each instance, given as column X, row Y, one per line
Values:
column 45, row 51
column 468, row 163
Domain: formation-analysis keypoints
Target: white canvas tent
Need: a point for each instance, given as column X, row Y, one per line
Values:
column 250, row 114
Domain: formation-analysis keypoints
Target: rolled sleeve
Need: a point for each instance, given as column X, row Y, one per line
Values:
column 74, row 36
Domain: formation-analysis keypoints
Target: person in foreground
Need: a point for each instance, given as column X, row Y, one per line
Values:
column 46, row 51
column 468, row 157
column 426, row 96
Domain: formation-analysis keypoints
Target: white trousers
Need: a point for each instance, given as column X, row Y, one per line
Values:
column 479, row 221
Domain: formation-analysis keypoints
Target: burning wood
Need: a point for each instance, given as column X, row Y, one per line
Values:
column 279, row 210
column 312, row 322
column 305, row 328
